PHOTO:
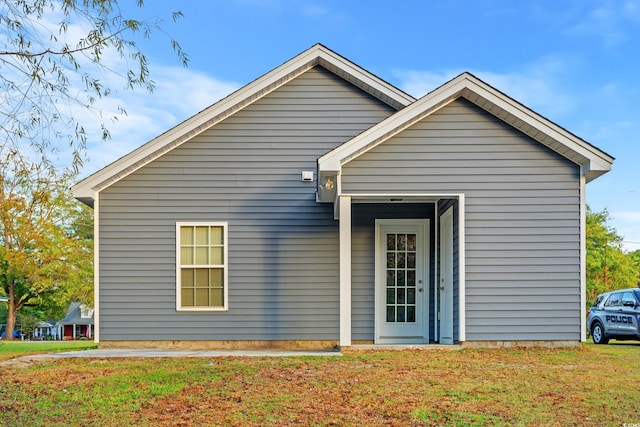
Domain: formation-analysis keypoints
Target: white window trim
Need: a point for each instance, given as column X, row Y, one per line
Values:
column 225, row 231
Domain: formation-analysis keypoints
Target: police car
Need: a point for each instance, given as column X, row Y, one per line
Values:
column 615, row 315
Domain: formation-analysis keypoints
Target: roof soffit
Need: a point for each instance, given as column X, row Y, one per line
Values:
column 318, row 55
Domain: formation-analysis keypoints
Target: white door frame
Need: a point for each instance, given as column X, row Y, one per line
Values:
column 422, row 281
column 445, row 277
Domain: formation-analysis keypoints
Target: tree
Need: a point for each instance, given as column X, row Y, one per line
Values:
column 41, row 253
column 608, row 266
column 57, row 58
column 55, row 64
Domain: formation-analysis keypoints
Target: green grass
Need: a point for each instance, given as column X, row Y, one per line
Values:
column 592, row 385
column 12, row 349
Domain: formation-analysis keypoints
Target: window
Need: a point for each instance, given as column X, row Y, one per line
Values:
column 201, row 266
column 613, row 301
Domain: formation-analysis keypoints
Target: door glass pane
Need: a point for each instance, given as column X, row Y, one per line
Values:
column 391, row 313
column 411, row 278
column 391, row 242
column 391, row 296
column 411, row 314
column 391, row 260
column 402, row 242
column 401, row 277
column 391, row 278
column 411, row 242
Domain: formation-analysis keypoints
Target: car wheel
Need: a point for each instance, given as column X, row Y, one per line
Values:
column 597, row 332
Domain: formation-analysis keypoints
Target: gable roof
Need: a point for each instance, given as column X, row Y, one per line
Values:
column 593, row 161
column 318, row 55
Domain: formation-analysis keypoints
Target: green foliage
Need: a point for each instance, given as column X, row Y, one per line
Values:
column 608, row 266
column 57, row 58
column 44, row 261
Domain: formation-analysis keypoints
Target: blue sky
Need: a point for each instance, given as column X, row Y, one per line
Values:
column 574, row 62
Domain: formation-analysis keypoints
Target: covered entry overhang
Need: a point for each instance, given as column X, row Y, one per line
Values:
column 417, row 298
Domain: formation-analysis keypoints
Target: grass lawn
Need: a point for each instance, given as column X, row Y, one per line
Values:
column 592, row 385
column 12, row 349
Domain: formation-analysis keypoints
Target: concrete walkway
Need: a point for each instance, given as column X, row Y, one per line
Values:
column 149, row 353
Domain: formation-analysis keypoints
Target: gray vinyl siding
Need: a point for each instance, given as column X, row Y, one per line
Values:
column 522, row 229
column 283, row 246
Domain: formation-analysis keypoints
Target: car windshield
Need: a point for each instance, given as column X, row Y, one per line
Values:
column 637, row 292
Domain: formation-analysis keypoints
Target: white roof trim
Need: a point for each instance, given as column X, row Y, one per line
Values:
column 318, row 54
column 594, row 162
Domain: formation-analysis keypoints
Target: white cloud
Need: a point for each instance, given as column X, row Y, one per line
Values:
column 179, row 94
column 628, row 226
column 536, row 86
column 608, row 22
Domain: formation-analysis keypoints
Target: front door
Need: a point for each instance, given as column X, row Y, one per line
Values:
column 401, row 281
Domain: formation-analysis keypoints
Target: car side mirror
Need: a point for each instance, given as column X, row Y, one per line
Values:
column 629, row 303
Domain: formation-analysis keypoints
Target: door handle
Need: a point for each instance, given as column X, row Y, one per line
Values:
column 419, row 289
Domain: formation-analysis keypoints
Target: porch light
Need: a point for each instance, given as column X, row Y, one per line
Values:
column 327, row 186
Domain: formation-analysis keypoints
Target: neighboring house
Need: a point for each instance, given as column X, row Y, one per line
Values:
column 45, row 330
column 78, row 323
column 319, row 206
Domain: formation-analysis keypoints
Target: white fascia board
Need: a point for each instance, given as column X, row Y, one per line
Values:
column 239, row 99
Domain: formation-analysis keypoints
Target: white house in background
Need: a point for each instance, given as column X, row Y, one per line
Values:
column 320, row 206
column 78, row 323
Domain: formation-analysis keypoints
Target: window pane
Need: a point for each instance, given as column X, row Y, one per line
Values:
column 216, row 256
column 202, row 235
column 201, row 256
column 186, row 256
column 186, row 278
column 216, row 236
column 187, row 297
column 202, row 297
column 217, row 299
column 186, row 235
column 216, row 277
column 202, row 278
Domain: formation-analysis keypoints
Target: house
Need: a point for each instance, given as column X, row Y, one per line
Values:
column 319, row 206
column 77, row 323
column 45, row 331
